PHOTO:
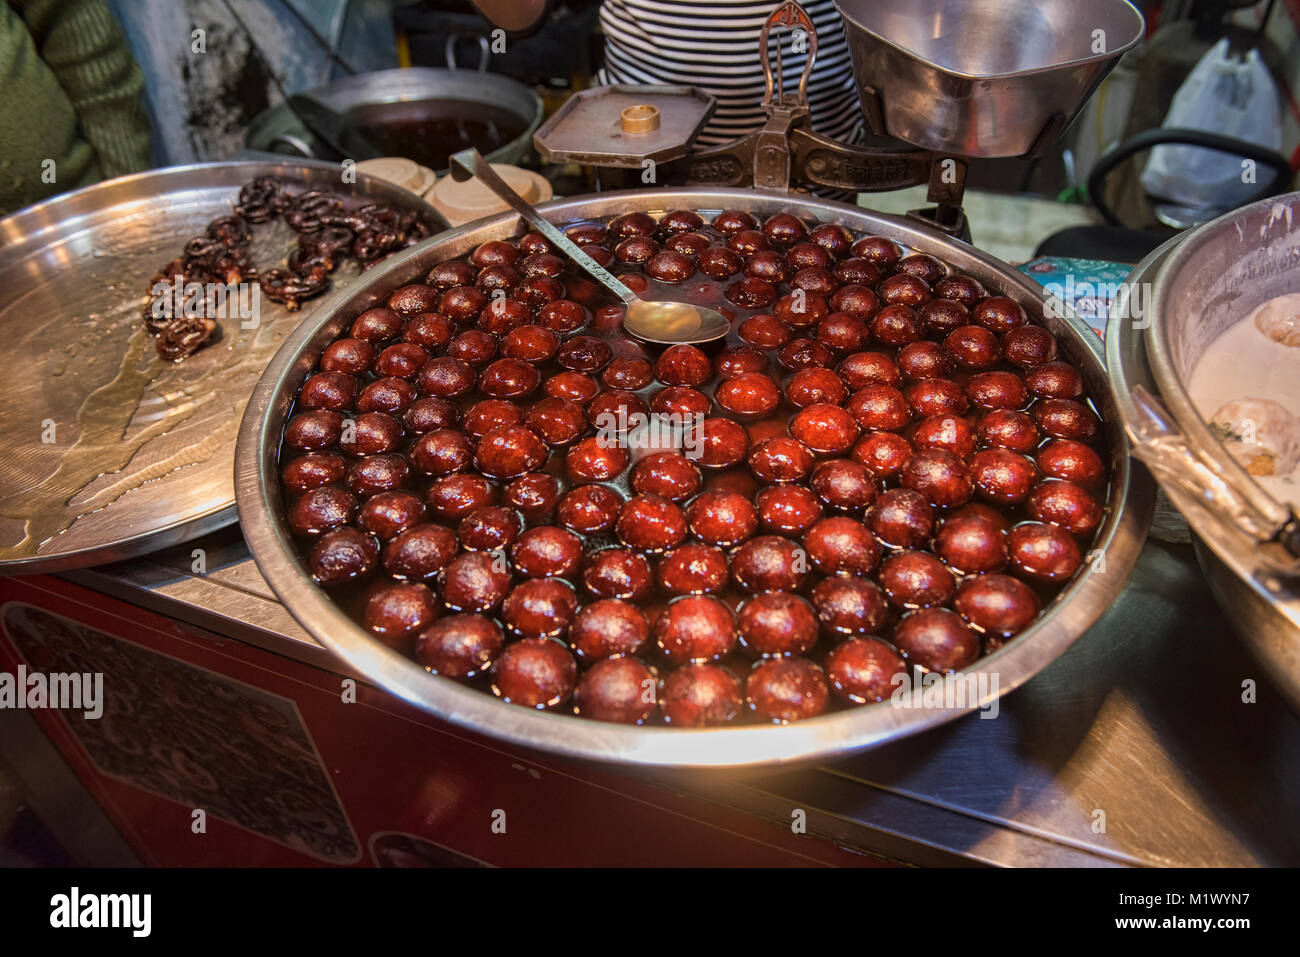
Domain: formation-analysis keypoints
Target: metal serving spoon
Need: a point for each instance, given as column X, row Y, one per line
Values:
column 666, row 323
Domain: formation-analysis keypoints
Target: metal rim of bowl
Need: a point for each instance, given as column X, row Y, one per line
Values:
column 1072, row 612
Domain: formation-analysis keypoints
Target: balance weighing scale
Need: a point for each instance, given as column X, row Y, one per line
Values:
column 940, row 83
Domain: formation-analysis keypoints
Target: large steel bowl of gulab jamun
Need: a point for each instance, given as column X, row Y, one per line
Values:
column 894, row 474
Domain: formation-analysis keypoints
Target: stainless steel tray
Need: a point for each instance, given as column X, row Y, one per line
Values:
column 106, row 450
column 1069, row 615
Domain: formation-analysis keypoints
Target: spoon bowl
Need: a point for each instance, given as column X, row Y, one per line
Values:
column 674, row 323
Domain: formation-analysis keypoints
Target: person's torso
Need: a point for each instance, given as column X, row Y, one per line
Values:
column 715, row 46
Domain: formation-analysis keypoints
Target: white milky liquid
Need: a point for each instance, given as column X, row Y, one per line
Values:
column 1244, row 363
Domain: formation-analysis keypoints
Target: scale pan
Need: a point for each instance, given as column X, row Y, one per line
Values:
column 983, row 77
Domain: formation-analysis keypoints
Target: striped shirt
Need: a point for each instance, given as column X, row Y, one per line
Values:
column 714, row 46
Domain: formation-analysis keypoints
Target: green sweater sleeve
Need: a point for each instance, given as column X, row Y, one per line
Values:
column 71, row 94
column 84, row 46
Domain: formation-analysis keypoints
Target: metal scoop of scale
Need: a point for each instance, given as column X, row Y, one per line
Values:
column 983, row 78
column 665, row 323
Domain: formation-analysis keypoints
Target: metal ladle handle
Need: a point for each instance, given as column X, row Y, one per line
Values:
column 470, row 163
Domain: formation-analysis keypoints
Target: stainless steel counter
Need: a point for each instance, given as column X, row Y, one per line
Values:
column 1134, row 748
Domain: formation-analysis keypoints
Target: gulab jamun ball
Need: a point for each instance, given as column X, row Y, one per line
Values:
column 886, row 465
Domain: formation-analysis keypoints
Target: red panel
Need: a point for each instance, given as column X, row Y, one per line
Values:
column 287, row 773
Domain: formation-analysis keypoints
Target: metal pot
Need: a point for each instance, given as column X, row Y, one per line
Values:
column 261, row 513
column 1187, row 293
column 277, row 129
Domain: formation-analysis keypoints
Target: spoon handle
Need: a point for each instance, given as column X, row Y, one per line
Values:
column 470, row 163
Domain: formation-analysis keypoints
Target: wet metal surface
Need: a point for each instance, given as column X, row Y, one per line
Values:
column 107, row 450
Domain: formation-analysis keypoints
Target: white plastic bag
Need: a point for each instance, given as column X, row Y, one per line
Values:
column 1225, row 95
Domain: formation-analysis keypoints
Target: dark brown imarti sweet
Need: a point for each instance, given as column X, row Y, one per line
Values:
column 331, row 229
